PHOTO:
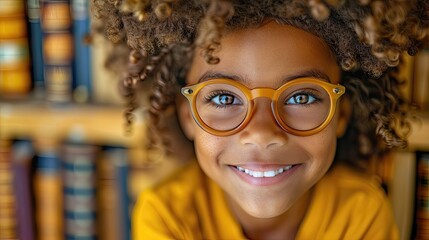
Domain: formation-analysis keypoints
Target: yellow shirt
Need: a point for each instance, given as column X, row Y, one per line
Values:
column 345, row 205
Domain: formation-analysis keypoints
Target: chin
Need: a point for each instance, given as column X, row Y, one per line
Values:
column 265, row 210
column 265, row 215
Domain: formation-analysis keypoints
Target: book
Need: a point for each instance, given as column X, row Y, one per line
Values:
column 36, row 47
column 48, row 192
column 120, row 161
column 421, row 225
column 113, row 193
column 82, row 84
column 420, row 89
column 12, row 7
column 22, row 156
column 57, row 50
column 108, row 221
column 79, row 167
column 15, row 78
column 401, row 176
column 8, row 222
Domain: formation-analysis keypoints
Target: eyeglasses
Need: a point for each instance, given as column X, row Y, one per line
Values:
column 301, row 107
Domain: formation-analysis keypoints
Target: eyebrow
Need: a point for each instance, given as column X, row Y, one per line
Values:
column 314, row 73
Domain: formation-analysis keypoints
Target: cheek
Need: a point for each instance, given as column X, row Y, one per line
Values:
column 321, row 148
column 323, row 145
column 208, row 148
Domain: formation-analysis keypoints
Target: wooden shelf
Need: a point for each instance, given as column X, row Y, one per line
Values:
column 90, row 123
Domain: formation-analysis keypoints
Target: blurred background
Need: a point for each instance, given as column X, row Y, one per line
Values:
column 67, row 168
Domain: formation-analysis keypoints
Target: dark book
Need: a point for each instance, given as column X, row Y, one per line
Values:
column 108, row 225
column 422, row 197
column 121, row 164
column 22, row 156
column 113, row 193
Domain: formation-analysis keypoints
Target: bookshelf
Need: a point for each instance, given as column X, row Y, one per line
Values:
column 402, row 168
column 402, row 174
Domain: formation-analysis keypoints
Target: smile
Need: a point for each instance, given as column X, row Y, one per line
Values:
column 266, row 174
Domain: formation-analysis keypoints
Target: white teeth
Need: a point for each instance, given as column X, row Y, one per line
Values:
column 271, row 173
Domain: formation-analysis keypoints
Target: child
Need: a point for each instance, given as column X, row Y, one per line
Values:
column 271, row 94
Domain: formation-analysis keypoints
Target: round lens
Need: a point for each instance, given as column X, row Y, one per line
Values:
column 221, row 107
column 304, row 106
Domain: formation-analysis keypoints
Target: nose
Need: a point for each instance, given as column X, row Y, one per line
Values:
column 262, row 130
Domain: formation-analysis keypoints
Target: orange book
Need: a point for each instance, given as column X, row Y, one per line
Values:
column 48, row 195
column 12, row 8
column 8, row 222
column 58, row 53
column 15, row 75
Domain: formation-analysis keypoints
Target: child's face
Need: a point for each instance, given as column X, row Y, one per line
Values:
column 265, row 57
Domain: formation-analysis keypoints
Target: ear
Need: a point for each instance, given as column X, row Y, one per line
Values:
column 185, row 117
column 344, row 115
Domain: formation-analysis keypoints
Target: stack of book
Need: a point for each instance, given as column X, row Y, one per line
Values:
column 46, row 53
column 68, row 190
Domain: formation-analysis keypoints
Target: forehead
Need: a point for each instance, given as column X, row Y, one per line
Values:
column 267, row 56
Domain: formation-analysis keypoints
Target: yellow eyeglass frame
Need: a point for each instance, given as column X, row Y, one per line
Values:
column 335, row 91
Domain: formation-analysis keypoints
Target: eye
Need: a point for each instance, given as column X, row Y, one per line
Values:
column 225, row 99
column 301, row 98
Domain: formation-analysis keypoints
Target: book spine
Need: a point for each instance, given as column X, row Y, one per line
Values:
column 420, row 94
column 422, row 198
column 108, row 226
column 15, row 79
column 8, row 222
column 48, row 195
column 57, row 50
column 36, row 46
column 119, row 156
column 79, row 191
column 22, row 156
column 82, row 52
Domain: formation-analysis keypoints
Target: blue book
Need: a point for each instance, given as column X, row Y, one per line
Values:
column 120, row 161
column 79, row 162
column 35, row 35
column 82, row 83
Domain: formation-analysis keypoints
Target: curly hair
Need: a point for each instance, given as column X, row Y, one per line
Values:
column 368, row 38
